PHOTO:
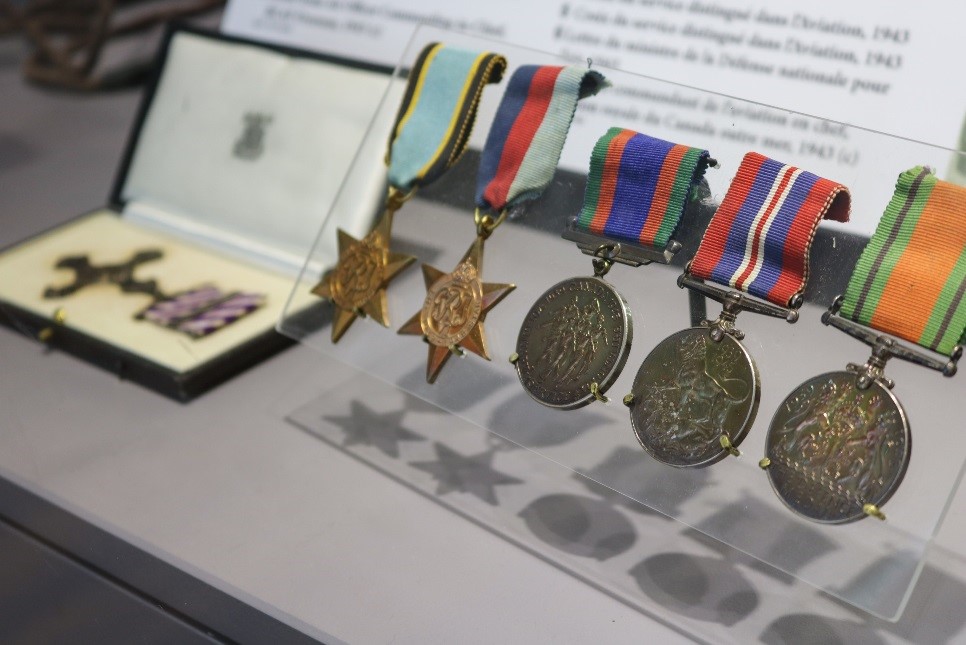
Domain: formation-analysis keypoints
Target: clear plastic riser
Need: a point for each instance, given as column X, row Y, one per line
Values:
column 870, row 564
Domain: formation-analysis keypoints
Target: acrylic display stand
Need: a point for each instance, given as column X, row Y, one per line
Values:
column 870, row 564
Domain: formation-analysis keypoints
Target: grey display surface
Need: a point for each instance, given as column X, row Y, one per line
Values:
column 47, row 596
column 227, row 491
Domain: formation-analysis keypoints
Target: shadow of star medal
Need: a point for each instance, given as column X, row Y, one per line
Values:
column 518, row 162
column 430, row 135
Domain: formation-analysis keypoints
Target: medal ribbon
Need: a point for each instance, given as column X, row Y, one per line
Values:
column 911, row 277
column 528, row 133
column 638, row 187
column 436, row 116
column 758, row 239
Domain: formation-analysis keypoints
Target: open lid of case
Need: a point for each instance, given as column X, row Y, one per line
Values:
column 242, row 147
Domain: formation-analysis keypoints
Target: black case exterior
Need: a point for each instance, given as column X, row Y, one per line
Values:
column 181, row 386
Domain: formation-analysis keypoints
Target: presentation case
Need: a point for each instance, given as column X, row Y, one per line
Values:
column 236, row 152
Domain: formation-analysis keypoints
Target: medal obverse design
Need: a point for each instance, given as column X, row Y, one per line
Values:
column 577, row 333
column 453, row 305
column 835, row 448
column 360, row 271
column 689, row 393
column 357, row 285
column 456, row 304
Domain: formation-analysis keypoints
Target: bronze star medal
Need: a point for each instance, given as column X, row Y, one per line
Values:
column 456, row 303
column 357, row 285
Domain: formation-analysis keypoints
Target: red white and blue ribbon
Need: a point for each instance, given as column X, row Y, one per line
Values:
column 759, row 238
column 528, row 133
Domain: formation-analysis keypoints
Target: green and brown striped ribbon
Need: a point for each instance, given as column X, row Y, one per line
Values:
column 910, row 280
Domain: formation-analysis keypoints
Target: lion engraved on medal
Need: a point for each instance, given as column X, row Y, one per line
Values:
column 452, row 306
column 574, row 334
column 359, row 273
column 686, row 414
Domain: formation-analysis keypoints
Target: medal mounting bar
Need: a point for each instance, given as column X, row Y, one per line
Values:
column 885, row 347
column 631, row 254
column 734, row 302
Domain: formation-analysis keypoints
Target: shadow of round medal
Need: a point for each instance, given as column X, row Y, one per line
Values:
column 579, row 525
column 699, row 587
column 810, row 629
column 529, row 424
column 642, row 483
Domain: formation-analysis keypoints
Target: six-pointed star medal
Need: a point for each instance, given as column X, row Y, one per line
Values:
column 453, row 311
column 357, row 285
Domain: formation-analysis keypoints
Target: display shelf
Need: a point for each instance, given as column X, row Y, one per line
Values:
column 870, row 564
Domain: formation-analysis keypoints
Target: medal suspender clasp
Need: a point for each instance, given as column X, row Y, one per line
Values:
column 634, row 255
column 885, row 347
column 734, row 302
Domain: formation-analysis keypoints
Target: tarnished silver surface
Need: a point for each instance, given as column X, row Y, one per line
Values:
column 577, row 333
column 835, row 448
column 691, row 391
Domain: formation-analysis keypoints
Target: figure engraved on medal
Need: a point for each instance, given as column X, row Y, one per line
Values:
column 689, row 392
column 359, row 273
column 577, row 333
column 452, row 306
column 835, row 448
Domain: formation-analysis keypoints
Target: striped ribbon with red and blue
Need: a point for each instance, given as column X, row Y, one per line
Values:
column 759, row 238
column 638, row 187
column 528, row 133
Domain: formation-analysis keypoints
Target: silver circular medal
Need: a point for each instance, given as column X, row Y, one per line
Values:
column 576, row 334
column 689, row 393
column 834, row 448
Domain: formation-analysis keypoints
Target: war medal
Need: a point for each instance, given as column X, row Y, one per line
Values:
column 839, row 445
column 430, row 134
column 518, row 162
column 575, row 340
column 197, row 312
column 696, row 395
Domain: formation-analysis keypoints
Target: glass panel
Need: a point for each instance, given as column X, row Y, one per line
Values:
column 871, row 564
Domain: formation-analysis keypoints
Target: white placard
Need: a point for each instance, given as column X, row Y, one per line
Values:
column 870, row 64
column 884, row 66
